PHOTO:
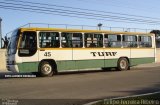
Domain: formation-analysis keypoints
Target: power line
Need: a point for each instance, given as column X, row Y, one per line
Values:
column 84, row 13
column 22, row 9
column 37, row 11
column 119, row 4
column 63, row 12
column 81, row 9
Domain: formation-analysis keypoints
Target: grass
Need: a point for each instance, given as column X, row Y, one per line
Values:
column 153, row 99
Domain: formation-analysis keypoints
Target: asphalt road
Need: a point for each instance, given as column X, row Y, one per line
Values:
column 81, row 87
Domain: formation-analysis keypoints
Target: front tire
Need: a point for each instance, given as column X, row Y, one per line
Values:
column 46, row 69
column 123, row 64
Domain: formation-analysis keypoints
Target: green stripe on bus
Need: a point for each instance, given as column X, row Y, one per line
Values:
column 28, row 66
column 79, row 64
column 136, row 61
column 82, row 64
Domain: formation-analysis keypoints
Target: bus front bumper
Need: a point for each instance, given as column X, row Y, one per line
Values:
column 13, row 68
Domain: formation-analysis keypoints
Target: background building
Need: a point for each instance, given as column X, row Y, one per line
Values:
column 0, row 33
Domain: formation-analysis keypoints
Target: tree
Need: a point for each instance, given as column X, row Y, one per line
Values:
column 157, row 34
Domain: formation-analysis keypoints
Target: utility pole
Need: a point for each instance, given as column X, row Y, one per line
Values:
column 0, row 33
column 99, row 26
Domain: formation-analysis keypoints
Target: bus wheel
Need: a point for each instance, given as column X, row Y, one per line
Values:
column 123, row 64
column 46, row 69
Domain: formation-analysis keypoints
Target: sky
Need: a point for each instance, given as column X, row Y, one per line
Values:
column 11, row 19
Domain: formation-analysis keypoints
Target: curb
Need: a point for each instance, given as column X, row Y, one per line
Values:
column 91, row 103
column 149, row 65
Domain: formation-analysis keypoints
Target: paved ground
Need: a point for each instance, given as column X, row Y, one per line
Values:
column 149, row 65
column 83, row 87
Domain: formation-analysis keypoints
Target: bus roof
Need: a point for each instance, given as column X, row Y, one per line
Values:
column 83, row 31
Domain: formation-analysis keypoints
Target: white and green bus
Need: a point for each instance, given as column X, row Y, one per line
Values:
column 51, row 50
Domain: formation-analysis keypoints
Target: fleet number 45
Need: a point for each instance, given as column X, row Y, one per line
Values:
column 47, row 54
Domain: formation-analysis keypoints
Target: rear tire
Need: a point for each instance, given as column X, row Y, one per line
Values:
column 46, row 69
column 123, row 64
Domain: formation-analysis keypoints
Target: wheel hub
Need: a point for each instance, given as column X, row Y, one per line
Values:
column 123, row 64
column 46, row 69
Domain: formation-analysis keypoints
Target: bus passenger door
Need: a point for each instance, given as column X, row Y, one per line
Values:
column 28, row 52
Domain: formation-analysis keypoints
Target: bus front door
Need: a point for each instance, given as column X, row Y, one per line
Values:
column 28, row 52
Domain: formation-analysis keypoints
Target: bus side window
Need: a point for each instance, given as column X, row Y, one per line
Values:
column 145, row 41
column 89, row 42
column 66, row 40
column 93, row 40
column 130, row 41
column 106, row 42
column 55, row 41
column 92, row 45
column 88, row 39
column 49, row 40
column 113, row 40
column 77, row 40
column 70, row 40
column 98, row 40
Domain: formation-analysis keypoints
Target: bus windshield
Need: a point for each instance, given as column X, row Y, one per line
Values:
column 12, row 47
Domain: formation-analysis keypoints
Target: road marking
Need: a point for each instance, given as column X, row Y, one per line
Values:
column 91, row 103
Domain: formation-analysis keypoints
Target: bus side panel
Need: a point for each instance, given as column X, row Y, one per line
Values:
column 113, row 54
column 66, row 65
column 28, row 64
column 63, row 57
column 142, row 56
column 88, row 57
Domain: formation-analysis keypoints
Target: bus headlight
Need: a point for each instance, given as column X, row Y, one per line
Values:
column 13, row 62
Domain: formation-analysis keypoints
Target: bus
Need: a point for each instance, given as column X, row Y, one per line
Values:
column 52, row 50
